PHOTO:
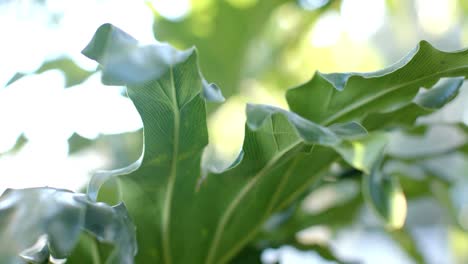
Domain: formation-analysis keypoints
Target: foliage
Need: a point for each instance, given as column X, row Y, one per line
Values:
column 39, row 222
column 187, row 209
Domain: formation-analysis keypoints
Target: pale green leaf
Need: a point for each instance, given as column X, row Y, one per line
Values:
column 385, row 195
column 38, row 222
column 440, row 94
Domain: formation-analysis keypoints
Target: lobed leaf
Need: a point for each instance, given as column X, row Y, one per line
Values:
column 187, row 215
column 342, row 97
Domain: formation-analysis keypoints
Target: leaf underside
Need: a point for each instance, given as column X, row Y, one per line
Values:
column 184, row 214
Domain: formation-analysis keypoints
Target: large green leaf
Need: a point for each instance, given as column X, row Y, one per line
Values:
column 341, row 97
column 38, row 222
column 185, row 214
column 423, row 104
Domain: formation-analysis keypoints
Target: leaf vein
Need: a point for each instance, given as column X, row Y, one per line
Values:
column 165, row 228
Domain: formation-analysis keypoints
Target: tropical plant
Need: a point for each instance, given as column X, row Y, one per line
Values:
column 185, row 206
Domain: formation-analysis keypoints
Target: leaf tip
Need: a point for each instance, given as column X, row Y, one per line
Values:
column 99, row 44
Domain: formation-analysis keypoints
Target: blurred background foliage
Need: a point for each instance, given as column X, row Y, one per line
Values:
column 58, row 123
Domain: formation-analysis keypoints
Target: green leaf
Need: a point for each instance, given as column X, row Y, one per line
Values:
column 362, row 152
column 423, row 104
column 281, row 229
column 309, row 132
column 343, row 97
column 169, row 173
column 401, row 118
column 185, row 214
column 440, row 94
column 249, row 255
column 385, row 195
column 125, row 62
column 115, row 50
column 52, row 220
column 349, row 139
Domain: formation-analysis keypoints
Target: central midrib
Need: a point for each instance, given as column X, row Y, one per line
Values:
column 366, row 100
column 225, row 217
column 165, row 223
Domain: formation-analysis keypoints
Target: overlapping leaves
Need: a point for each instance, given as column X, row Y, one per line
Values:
column 39, row 223
column 187, row 215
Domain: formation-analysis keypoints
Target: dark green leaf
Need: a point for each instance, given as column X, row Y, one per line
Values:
column 249, row 255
